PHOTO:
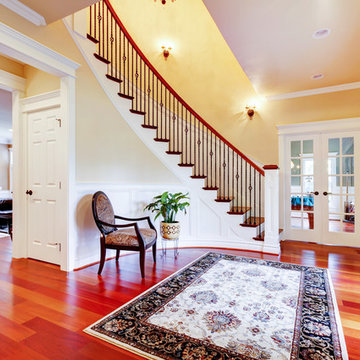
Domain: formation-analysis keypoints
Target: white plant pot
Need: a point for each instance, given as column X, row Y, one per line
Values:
column 170, row 231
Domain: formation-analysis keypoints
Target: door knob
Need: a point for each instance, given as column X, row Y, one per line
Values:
column 326, row 193
column 29, row 192
column 315, row 192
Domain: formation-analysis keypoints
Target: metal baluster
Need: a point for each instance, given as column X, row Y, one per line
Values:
column 177, row 125
column 254, row 195
column 246, row 188
column 241, row 185
column 259, row 202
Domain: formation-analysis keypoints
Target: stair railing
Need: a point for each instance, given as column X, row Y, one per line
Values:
column 237, row 179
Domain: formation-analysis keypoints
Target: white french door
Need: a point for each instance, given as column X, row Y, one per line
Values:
column 322, row 188
column 44, row 186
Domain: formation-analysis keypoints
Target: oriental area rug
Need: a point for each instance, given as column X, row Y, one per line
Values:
column 229, row 307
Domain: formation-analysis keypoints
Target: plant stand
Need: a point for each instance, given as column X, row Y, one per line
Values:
column 165, row 243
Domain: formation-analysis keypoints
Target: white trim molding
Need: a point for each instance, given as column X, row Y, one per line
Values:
column 20, row 47
column 326, row 126
column 317, row 91
column 10, row 82
column 41, row 101
column 24, row 11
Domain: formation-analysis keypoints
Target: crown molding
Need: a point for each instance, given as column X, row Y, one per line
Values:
column 318, row 91
column 24, row 11
column 340, row 125
column 20, row 47
column 11, row 82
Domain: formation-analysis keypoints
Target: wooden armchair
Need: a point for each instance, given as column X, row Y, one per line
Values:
column 121, row 236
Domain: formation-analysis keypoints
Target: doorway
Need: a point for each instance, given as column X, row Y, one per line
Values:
column 6, row 164
column 322, row 188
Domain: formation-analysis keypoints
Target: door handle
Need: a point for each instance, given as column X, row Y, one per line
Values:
column 29, row 192
column 315, row 193
column 325, row 193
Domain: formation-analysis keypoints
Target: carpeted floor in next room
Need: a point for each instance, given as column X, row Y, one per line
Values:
column 43, row 311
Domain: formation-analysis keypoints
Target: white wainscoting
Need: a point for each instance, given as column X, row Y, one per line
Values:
column 199, row 227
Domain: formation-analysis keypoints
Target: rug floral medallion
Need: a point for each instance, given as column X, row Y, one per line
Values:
column 229, row 307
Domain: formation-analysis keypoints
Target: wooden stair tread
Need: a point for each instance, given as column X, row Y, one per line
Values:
column 173, row 152
column 198, row 176
column 149, row 126
column 138, row 112
column 161, row 140
column 222, row 199
column 129, row 97
column 186, row 165
column 91, row 38
column 106, row 61
column 113, row 78
column 238, row 210
column 253, row 221
column 210, row 188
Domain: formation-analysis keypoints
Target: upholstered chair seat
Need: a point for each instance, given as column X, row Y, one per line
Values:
column 128, row 237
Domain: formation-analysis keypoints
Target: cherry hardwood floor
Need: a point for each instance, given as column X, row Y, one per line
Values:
column 43, row 310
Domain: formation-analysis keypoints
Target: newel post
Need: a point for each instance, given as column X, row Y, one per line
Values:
column 272, row 209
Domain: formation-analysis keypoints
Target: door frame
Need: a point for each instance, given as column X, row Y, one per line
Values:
column 300, row 129
column 22, row 48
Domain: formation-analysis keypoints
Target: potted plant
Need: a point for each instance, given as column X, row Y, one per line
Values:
column 168, row 205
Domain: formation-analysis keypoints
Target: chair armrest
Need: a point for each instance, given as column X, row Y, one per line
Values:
column 137, row 219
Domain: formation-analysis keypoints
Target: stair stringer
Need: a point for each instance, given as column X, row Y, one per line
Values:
column 232, row 235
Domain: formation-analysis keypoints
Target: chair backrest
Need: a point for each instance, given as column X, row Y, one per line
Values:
column 103, row 211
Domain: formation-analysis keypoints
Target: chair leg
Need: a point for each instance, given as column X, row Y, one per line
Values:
column 142, row 263
column 154, row 252
column 117, row 254
column 102, row 258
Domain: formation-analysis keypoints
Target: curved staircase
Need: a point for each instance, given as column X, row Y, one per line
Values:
column 234, row 183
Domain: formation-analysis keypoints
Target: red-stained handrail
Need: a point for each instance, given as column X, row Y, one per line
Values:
column 175, row 94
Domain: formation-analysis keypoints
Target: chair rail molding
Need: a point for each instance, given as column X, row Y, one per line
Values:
column 24, row 11
column 20, row 47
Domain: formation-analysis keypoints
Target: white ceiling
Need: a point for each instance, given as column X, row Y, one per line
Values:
column 5, row 116
column 272, row 40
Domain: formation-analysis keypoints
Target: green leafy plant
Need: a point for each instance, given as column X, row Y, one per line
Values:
column 168, row 205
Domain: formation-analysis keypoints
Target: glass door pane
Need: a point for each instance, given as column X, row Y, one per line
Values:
column 302, row 184
column 341, row 184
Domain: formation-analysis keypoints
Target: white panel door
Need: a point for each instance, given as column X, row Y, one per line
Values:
column 303, row 179
column 43, row 186
column 340, row 191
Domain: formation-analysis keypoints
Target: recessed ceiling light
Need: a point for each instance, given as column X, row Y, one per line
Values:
column 10, row 130
column 317, row 76
column 321, row 33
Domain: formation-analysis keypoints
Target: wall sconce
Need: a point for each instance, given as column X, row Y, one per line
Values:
column 250, row 110
column 164, row 1
column 166, row 51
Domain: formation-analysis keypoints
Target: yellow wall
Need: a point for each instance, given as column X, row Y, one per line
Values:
column 11, row 66
column 107, row 150
column 38, row 82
